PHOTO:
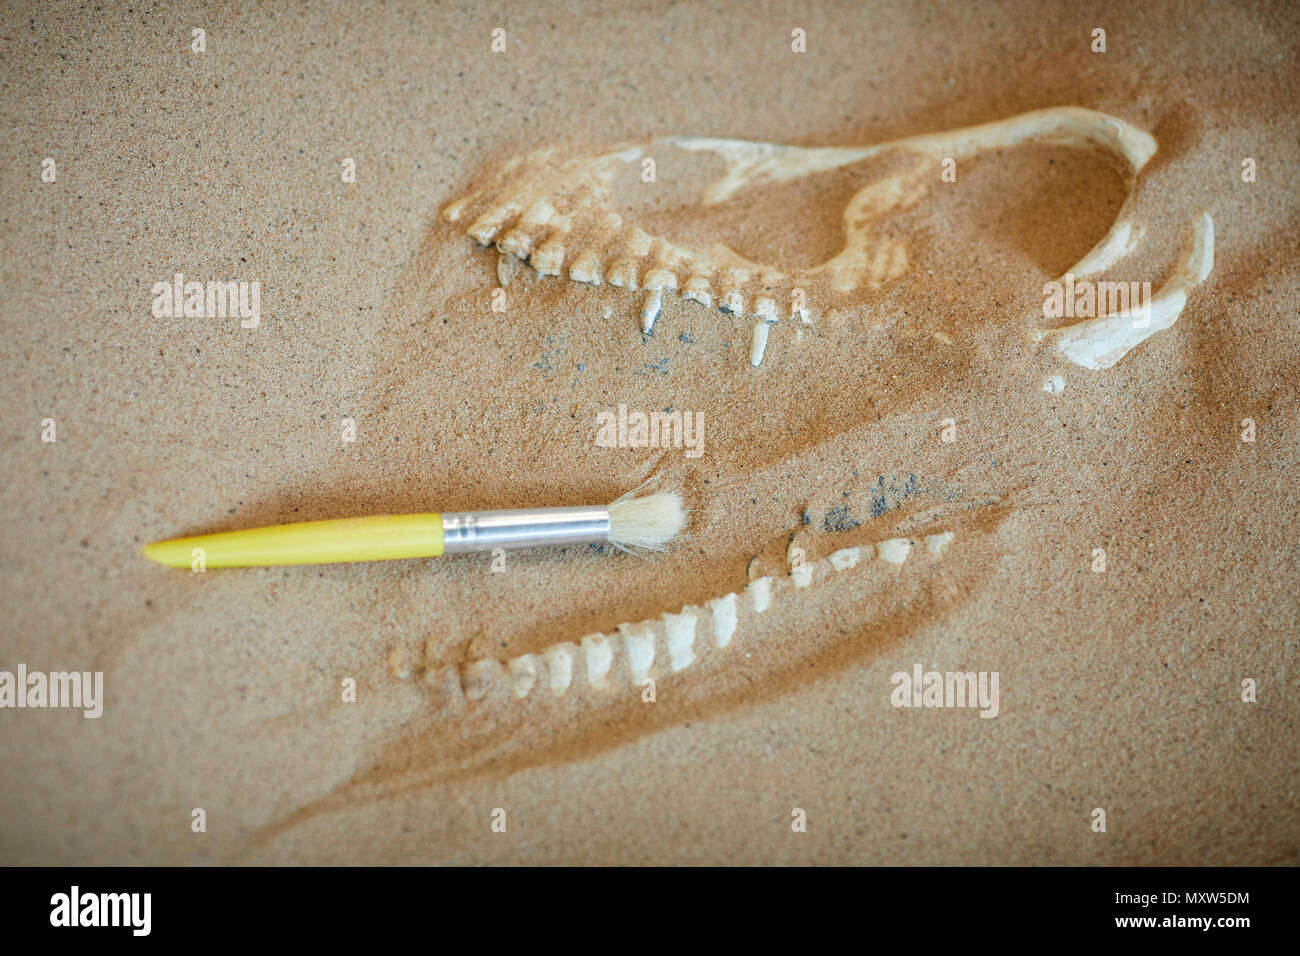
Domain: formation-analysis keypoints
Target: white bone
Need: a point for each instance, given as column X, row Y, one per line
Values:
column 1100, row 343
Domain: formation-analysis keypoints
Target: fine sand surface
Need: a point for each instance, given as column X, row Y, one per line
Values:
column 1120, row 690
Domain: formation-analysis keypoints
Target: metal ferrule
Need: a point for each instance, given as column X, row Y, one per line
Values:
column 525, row 528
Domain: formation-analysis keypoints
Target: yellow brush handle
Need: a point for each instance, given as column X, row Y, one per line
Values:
column 308, row 542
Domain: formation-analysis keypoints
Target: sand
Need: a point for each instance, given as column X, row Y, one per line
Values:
column 1120, row 690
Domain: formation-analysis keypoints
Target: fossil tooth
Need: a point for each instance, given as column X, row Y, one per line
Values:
column 516, row 242
column 485, row 228
column 523, row 674
column 559, row 667
column 801, row 575
column 680, row 638
column 894, row 550
column 764, row 309
column 758, row 343
column 538, row 214
column 639, row 242
column 936, row 543
column 654, row 300
column 656, row 281
column 599, row 657
column 586, row 268
column 549, row 257
column 697, row 289
column 454, row 210
column 507, row 268
column 845, row 558
column 623, row 274
column 532, row 224
column 660, row 279
column 798, row 310
column 639, row 646
column 478, row 677
column 724, row 619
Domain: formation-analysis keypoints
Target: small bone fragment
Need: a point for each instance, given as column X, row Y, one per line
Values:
column 801, row 570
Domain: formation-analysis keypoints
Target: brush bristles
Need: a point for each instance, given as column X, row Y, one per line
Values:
column 649, row 522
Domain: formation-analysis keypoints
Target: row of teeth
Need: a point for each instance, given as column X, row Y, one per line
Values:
column 698, row 288
column 539, row 238
column 653, row 648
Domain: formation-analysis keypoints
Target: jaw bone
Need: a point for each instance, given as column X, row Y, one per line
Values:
column 660, row 647
column 554, row 211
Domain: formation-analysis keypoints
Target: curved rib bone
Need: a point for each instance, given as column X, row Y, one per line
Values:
column 1101, row 342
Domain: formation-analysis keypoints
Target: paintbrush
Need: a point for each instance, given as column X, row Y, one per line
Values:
column 633, row 522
